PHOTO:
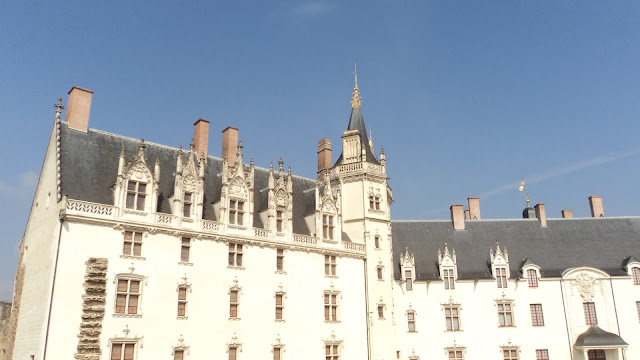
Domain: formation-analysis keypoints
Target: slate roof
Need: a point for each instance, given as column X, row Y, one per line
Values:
column 602, row 243
column 595, row 337
column 89, row 169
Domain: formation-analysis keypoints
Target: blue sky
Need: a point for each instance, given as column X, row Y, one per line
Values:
column 468, row 98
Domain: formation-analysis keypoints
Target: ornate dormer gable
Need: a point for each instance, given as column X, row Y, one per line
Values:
column 188, row 193
column 136, row 189
column 530, row 271
column 280, row 202
column 328, row 213
column 448, row 267
column 500, row 265
column 408, row 268
column 236, row 196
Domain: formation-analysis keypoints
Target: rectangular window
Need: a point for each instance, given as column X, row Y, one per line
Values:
column 596, row 355
column 280, row 259
column 411, row 321
column 128, row 293
column 371, row 202
column 188, row 201
column 233, row 304
column 178, row 355
column 277, row 353
column 136, row 192
column 542, row 354
column 279, row 306
column 236, row 212
column 233, row 353
column 235, row 254
column 132, row 243
column 636, row 275
column 381, row 311
column 185, row 249
column 505, row 314
column 408, row 279
column 182, row 301
column 638, row 308
column 376, row 240
column 332, row 352
column 331, row 307
column 532, row 278
column 330, row 265
column 327, row 227
column 379, row 271
column 501, row 277
column 377, row 200
column 590, row 317
column 452, row 318
column 455, row 354
column 122, row 351
column 537, row 319
column 279, row 220
column 510, row 354
column 448, row 279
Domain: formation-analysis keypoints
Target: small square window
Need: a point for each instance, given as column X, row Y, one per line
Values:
column 542, row 354
column 132, row 245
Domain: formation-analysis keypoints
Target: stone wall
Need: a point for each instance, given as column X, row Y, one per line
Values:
column 5, row 312
column 94, row 298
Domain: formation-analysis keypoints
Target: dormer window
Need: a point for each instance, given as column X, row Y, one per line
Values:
column 500, row 266
column 448, row 278
column 236, row 212
column 635, row 273
column 327, row 227
column 279, row 220
column 408, row 278
column 448, row 270
column 187, row 204
column 532, row 278
column 501, row 277
column 136, row 193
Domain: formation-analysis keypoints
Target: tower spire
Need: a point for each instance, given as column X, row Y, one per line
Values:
column 356, row 102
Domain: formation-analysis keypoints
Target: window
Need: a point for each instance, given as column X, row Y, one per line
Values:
column 448, row 279
column 371, row 202
column 233, row 304
column 186, row 205
column 455, row 354
column 184, row 250
column 235, row 254
column 123, row 351
column 379, row 271
column 182, row 301
column 380, row 311
column 128, row 294
column 132, row 243
column 279, row 220
column 279, row 306
column 596, row 355
column 330, row 307
column 536, row 315
column 332, row 352
column 501, row 277
column 452, row 317
column 638, row 308
column 277, row 353
column 327, row 227
column 236, row 212
column 377, row 200
column 542, row 354
column 280, row 259
column 233, row 352
column 330, row 265
column 376, row 241
column 590, row 316
column 510, row 354
column 505, row 314
column 532, row 278
column 408, row 279
column 178, row 355
column 411, row 321
column 635, row 272
column 136, row 192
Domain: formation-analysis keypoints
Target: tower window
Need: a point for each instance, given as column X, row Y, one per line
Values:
column 236, row 212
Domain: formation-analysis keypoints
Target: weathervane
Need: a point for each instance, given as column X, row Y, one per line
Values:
column 523, row 187
column 356, row 102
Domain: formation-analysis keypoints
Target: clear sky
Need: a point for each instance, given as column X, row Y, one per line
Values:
column 468, row 98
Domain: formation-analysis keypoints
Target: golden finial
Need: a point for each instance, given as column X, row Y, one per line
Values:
column 356, row 102
column 523, row 187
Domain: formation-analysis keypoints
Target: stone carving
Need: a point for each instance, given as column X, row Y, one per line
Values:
column 586, row 283
column 95, row 282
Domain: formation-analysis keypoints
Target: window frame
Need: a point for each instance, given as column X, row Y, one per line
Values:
column 537, row 315
column 381, row 312
column 504, row 314
column 638, row 308
column 379, row 272
column 182, row 301
column 123, row 345
column 136, row 239
column 280, row 260
column 595, row 354
column 332, row 350
column 234, row 304
column 126, row 308
column 455, row 352
column 279, row 308
column 278, row 349
column 236, row 211
column 635, row 274
column 233, row 352
column 236, row 252
column 542, row 354
column 328, row 227
column 330, row 265
column 590, row 314
column 178, row 351
column 331, row 306
column 185, row 249
column 501, row 277
column 508, row 353
column 279, row 220
column 376, row 242
column 408, row 279
column 136, row 195
column 532, row 278
column 411, row 321
column 452, row 317
column 187, row 204
column 448, row 278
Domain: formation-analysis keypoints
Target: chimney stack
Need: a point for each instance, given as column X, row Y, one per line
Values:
column 474, row 208
column 567, row 214
column 467, row 214
column 541, row 214
column 457, row 216
column 324, row 156
column 201, row 138
column 78, row 108
column 230, row 144
column 595, row 202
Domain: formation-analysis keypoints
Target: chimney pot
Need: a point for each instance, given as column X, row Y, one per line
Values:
column 201, row 138
column 457, row 216
column 230, row 144
column 567, row 214
column 467, row 214
column 324, row 156
column 541, row 214
column 78, row 108
column 474, row 208
column 595, row 202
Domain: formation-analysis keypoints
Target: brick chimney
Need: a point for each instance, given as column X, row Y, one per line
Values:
column 457, row 216
column 567, row 214
column 324, row 156
column 541, row 214
column 474, row 208
column 201, row 138
column 78, row 108
column 595, row 202
column 467, row 214
column 230, row 144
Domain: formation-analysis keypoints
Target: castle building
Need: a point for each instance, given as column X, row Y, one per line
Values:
column 135, row 250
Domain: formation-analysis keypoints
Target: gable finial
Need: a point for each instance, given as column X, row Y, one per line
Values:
column 356, row 102
column 523, row 187
column 192, row 145
column 59, row 108
column 280, row 164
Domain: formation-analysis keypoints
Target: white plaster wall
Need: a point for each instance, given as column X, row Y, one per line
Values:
column 626, row 294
